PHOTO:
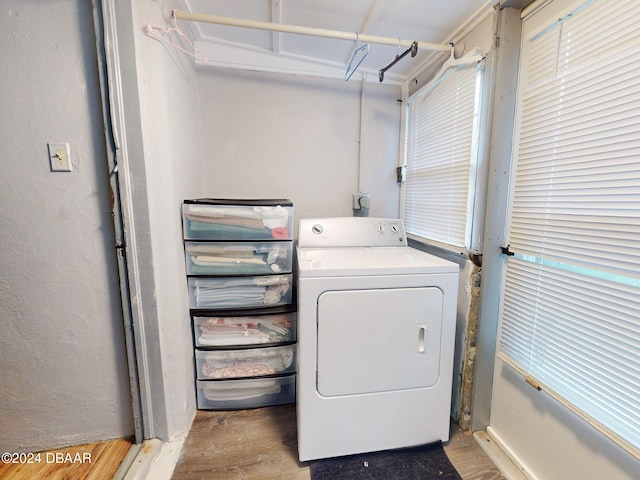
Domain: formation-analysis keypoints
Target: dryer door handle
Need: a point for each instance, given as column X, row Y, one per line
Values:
column 422, row 332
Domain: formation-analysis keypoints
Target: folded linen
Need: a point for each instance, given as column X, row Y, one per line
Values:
column 216, row 211
column 232, row 340
column 239, row 292
column 271, row 216
column 246, row 251
column 208, row 260
column 226, row 282
column 254, row 223
column 230, row 364
column 274, row 218
column 219, row 259
column 216, row 331
column 228, row 232
column 234, row 269
column 230, row 296
column 223, row 328
column 234, row 390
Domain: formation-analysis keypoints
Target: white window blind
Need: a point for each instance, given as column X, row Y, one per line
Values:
column 571, row 307
column 441, row 157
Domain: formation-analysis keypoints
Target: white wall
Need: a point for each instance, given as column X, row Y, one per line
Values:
column 164, row 173
column 547, row 440
column 170, row 119
column 269, row 135
column 64, row 375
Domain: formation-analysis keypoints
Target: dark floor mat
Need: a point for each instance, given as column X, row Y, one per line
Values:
column 427, row 462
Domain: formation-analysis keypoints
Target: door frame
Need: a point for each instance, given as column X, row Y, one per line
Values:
column 115, row 39
column 498, row 188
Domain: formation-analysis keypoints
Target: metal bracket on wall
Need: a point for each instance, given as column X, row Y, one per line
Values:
column 506, row 251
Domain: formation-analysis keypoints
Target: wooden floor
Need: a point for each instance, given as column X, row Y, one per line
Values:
column 93, row 461
column 261, row 444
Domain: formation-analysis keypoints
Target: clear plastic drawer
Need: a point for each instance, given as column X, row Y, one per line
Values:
column 239, row 292
column 220, row 331
column 254, row 362
column 239, row 258
column 258, row 221
column 249, row 393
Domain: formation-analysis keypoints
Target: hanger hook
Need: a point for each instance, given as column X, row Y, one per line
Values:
column 363, row 50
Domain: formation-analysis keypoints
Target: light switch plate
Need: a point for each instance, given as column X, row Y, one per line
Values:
column 59, row 157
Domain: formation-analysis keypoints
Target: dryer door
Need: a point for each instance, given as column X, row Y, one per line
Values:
column 378, row 340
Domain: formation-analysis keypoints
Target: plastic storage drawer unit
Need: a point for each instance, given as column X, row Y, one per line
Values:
column 238, row 258
column 211, row 219
column 239, row 265
column 254, row 362
column 250, row 393
column 232, row 329
column 239, row 292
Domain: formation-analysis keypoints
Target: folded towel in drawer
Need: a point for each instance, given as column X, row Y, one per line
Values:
column 230, row 296
column 253, row 223
column 228, row 232
column 274, row 221
column 243, row 251
column 213, row 211
column 274, row 216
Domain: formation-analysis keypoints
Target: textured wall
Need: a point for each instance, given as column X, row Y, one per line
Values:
column 64, row 374
column 169, row 116
column 277, row 135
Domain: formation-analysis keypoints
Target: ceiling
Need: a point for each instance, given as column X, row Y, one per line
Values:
column 434, row 21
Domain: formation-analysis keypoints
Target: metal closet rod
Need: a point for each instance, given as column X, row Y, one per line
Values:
column 300, row 30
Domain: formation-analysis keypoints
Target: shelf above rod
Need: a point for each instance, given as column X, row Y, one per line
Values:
column 300, row 30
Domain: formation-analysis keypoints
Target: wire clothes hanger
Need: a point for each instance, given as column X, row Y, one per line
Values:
column 358, row 49
column 162, row 34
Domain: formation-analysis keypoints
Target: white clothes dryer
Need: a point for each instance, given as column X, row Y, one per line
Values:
column 376, row 335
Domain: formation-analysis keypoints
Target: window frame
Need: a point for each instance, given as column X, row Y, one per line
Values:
column 551, row 262
column 478, row 154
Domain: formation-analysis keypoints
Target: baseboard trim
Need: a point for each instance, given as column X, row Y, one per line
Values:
column 152, row 459
column 498, row 453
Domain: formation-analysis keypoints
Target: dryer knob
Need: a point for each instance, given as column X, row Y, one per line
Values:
column 317, row 229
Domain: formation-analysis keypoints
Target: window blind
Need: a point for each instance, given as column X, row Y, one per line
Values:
column 441, row 157
column 571, row 306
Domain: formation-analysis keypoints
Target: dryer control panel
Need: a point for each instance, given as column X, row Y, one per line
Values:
column 351, row 232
